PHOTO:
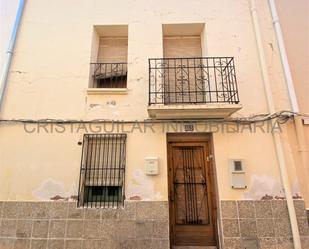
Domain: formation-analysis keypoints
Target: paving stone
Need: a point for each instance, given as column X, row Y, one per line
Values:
column 55, row 244
column 57, row 229
column 40, row 229
column 109, row 213
column 151, row 210
column 40, row 210
column 247, row 227
column 138, row 244
column 229, row 209
column 250, row 243
column 22, row 244
column 92, row 229
column 230, row 228
column 285, row 243
column 300, row 209
column 130, row 244
column 10, row 210
column 38, row 244
column 263, row 209
column 92, row 244
column 74, row 212
column 128, row 211
column 60, row 225
column 144, row 229
column 108, row 228
column 142, row 243
column 58, row 210
column 268, row 243
column 265, row 228
column 279, row 209
column 6, row 243
column 282, row 228
column 8, row 228
column 160, row 243
column 109, row 243
column 246, row 209
column 92, row 213
column 160, row 229
column 304, row 241
column 1, row 203
column 303, row 226
column 75, row 229
column 123, row 230
column 73, row 244
column 24, row 228
column 232, row 243
column 25, row 210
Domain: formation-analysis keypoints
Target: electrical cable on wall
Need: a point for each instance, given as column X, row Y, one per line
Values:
column 281, row 117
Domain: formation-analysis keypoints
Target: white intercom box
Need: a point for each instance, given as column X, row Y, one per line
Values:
column 152, row 165
column 237, row 173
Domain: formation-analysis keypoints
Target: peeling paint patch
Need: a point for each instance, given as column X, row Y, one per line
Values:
column 135, row 198
column 95, row 106
column 143, row 187
column 51, row 189
column 262, row 185
column 111, row 103
column 61, row 198
column 17, row 71
column 271, row 46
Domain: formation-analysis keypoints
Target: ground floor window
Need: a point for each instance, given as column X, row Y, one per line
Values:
column 102, row 170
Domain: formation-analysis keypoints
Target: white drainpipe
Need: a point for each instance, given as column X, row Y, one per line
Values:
column 9, row 52
column 276, row 136
column 302, row 147
column 284, row 58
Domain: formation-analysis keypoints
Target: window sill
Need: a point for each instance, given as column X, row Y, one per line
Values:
column 99, row 91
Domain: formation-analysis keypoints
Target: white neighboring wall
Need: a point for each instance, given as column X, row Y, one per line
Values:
column 8, row 10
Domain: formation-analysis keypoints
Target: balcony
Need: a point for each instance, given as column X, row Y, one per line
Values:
column 201, row 87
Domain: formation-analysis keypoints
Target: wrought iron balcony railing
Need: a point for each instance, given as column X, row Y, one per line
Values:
column 108, row 75
column 192, row 80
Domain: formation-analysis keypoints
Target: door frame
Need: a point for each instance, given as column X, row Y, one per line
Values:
column 195, row 137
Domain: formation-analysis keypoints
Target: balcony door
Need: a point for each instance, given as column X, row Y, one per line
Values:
column 183, row 76
column 191, row 192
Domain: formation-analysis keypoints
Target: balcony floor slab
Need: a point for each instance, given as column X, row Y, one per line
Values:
column 192, row 111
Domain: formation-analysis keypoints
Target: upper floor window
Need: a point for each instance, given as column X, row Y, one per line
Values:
column 109, row 57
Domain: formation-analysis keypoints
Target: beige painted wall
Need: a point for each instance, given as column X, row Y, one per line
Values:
column 49, row 78
column 41, row 164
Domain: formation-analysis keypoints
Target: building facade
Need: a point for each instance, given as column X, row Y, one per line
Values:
column 137, row 124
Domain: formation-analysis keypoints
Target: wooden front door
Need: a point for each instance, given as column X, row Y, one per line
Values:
column 191, row 200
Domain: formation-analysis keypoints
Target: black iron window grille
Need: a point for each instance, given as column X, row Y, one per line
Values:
column 192, row 80
column 108, row 75
column 102, row 170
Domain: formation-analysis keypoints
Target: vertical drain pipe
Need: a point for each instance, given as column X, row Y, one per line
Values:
column 276, row 136
column 302, row 147
column 9, row 52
